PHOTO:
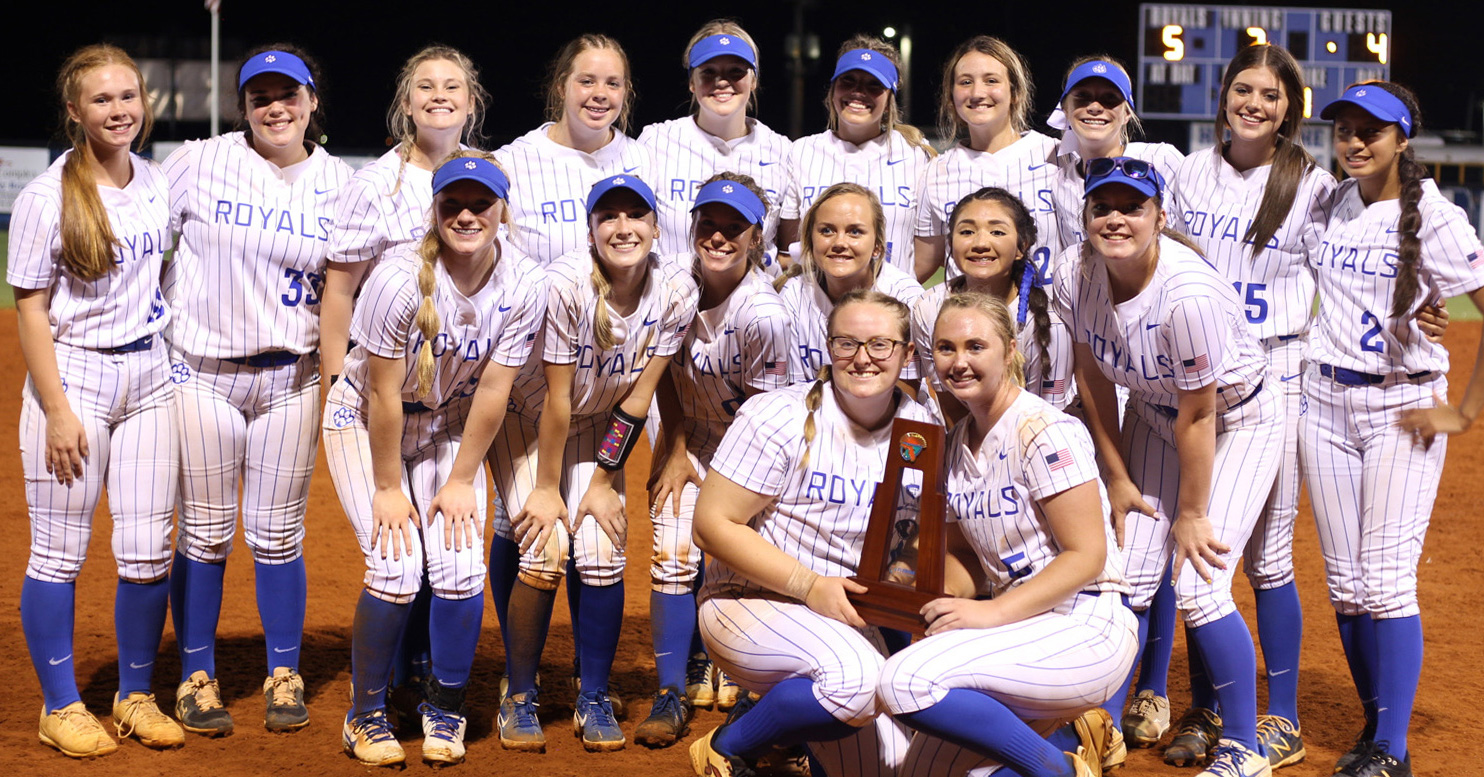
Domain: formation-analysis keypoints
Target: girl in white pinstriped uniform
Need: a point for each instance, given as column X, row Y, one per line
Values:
column 985, row 105
column 1025, row 522
column 616, row 314
column 718, row 136
column 441, row 329
column 1201, row 440
column 865, row 144
column 86, row 241
column 253, row 211
column 738, row 346
column 1374, row 392
column 439, row 105
column 782, row 515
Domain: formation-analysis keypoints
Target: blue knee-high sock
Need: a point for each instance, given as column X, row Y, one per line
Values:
column 1400, row 640
column 672, row 620
column 1280, row 629
column 697, row 645
column 1154, row 665
column 530, row 620
column 138, row 623
column 282, row 593
column 896, row 640
column 1115, row 703
column 454, row 636
column 196, row 605
column 1231, row 662
column 46, row 619
column 504, row 566
column 1358, row 637
column 787, row 715
column 979, row 722
column 574, row 606
column 373, row 645
column 1065, row 739
column 414, row 659
column 598, row 641
column 1201, row 693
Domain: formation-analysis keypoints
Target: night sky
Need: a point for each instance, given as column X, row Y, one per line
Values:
column 1435, row 51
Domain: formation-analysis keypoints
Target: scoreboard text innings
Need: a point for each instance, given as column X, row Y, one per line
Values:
column 1183, row 48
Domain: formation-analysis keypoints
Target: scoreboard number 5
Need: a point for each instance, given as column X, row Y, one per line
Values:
column 1174, row 46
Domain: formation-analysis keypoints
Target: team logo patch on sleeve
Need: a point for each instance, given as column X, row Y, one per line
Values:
column 1059, row 460
column 1196, row 365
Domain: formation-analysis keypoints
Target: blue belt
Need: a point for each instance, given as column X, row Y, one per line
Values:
column 1172, row 412
column 418, row 407
column 142, row 344
column 1346, row 377
column 267, row 359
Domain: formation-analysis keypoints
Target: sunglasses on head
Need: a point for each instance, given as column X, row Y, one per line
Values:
column 1133, row 168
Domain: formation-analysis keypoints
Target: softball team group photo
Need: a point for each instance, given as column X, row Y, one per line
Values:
column 1121, row 340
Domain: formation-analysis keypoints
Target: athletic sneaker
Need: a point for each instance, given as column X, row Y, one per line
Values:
column 1100, row 740
column 1195, row 737
column 75, row 732
column 1146, row 720
column 593, row 721
column 707, row 761
column 284, row 694
column 139, row 716
column 1231, row 759
column 727, row 691
column 1378, row 763
column 443, row 735
column 198, row 705
column 1080, row 761
column 1365, row 741
column 369, row 739
column 1281, row 740
column 700, row 681
column 620, row 711
column 520, row 729
column 668, row 721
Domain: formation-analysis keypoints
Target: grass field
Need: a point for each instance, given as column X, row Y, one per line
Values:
column 1461, row 308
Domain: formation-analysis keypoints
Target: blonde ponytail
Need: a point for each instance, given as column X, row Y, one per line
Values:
column 602, row 323
column 427, row 319
column 812, row 401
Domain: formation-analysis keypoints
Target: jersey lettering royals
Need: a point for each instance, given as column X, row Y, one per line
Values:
column 1185, row 330
column 1214, row 205
column 1047, row 375
column 377, row 212
column 124, row 304
column 820, row 509
column 682, row 156
column 1025, row 168
column 1356, row 265
column 810, row 308
column 602, row 377
column 1067, row 192
column 549, row 184
column 498, row 323
column 889, row 165
column 744, row 344
column 1032, row 453
column 250, row 263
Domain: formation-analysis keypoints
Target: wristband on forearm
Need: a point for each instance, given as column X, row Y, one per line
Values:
column 618, row 442
column 800, row 581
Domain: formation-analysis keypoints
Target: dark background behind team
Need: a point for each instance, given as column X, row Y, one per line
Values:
column 1436, row 51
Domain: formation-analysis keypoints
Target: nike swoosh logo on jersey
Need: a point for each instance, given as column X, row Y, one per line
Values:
column 1004, row 454
column 1391, row 230
column 1151, row 326
column 631, row 169
column 1287, row 378
column 196, row 650
column 765, row 164
column 318, row 190
column 728, row 332
column 151, row 198
column 56, row 661
column 286, row 650
column 505, row 308
column 650, row 321
column 891, row 162
column 1034, row 168
column 133, row 665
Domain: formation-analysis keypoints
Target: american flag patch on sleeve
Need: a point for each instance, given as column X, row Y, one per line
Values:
column 1476, row 260
column 1059, row 460
column 1058, row 386
column 1196, row 365
column 775, row 368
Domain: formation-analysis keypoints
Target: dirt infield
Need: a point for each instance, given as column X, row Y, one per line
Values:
column 1452, row 585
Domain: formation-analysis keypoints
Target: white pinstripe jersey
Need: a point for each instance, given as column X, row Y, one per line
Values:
column 549, row 184
column 1025, row 168
column 1214, row 204
column 1185, row 330
column 499, row 323
column 1356, row 266
column 602, row 377
column 1033, row 452
column 810, row 308
column 375, row 214
column 682, row 156
column 1066, row 190
column 250, row 262
column 1050, row 379
column 123, row 305
column 888, row 165
column 744, row 343
column 819, row 511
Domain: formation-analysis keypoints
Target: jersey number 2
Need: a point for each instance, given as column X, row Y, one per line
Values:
column 1371, row 340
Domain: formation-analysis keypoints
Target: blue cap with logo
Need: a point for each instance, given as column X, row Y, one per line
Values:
column 280, row 62
column 1099, row 68
column 713, row 46
column 735, row 195
column 602, row 188
column 1377, row 102
column 873, row 62
column 472, row 169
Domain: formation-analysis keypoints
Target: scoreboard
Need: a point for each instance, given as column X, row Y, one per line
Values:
column 1183, row 50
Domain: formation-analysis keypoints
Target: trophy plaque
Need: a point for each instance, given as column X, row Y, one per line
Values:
column 916, row 446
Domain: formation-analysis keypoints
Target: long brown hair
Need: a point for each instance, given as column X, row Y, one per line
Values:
column 566, row 61
column 88, row 242
column 1022, row 88
column 1411, row 173
column 891, row 118
column 1290, row 161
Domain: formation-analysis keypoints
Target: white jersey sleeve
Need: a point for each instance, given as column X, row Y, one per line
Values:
column 385, row 204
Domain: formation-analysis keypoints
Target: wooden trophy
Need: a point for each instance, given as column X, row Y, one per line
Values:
column 919, row 446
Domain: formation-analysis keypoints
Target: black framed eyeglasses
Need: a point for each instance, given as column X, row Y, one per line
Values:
column 878, row 348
